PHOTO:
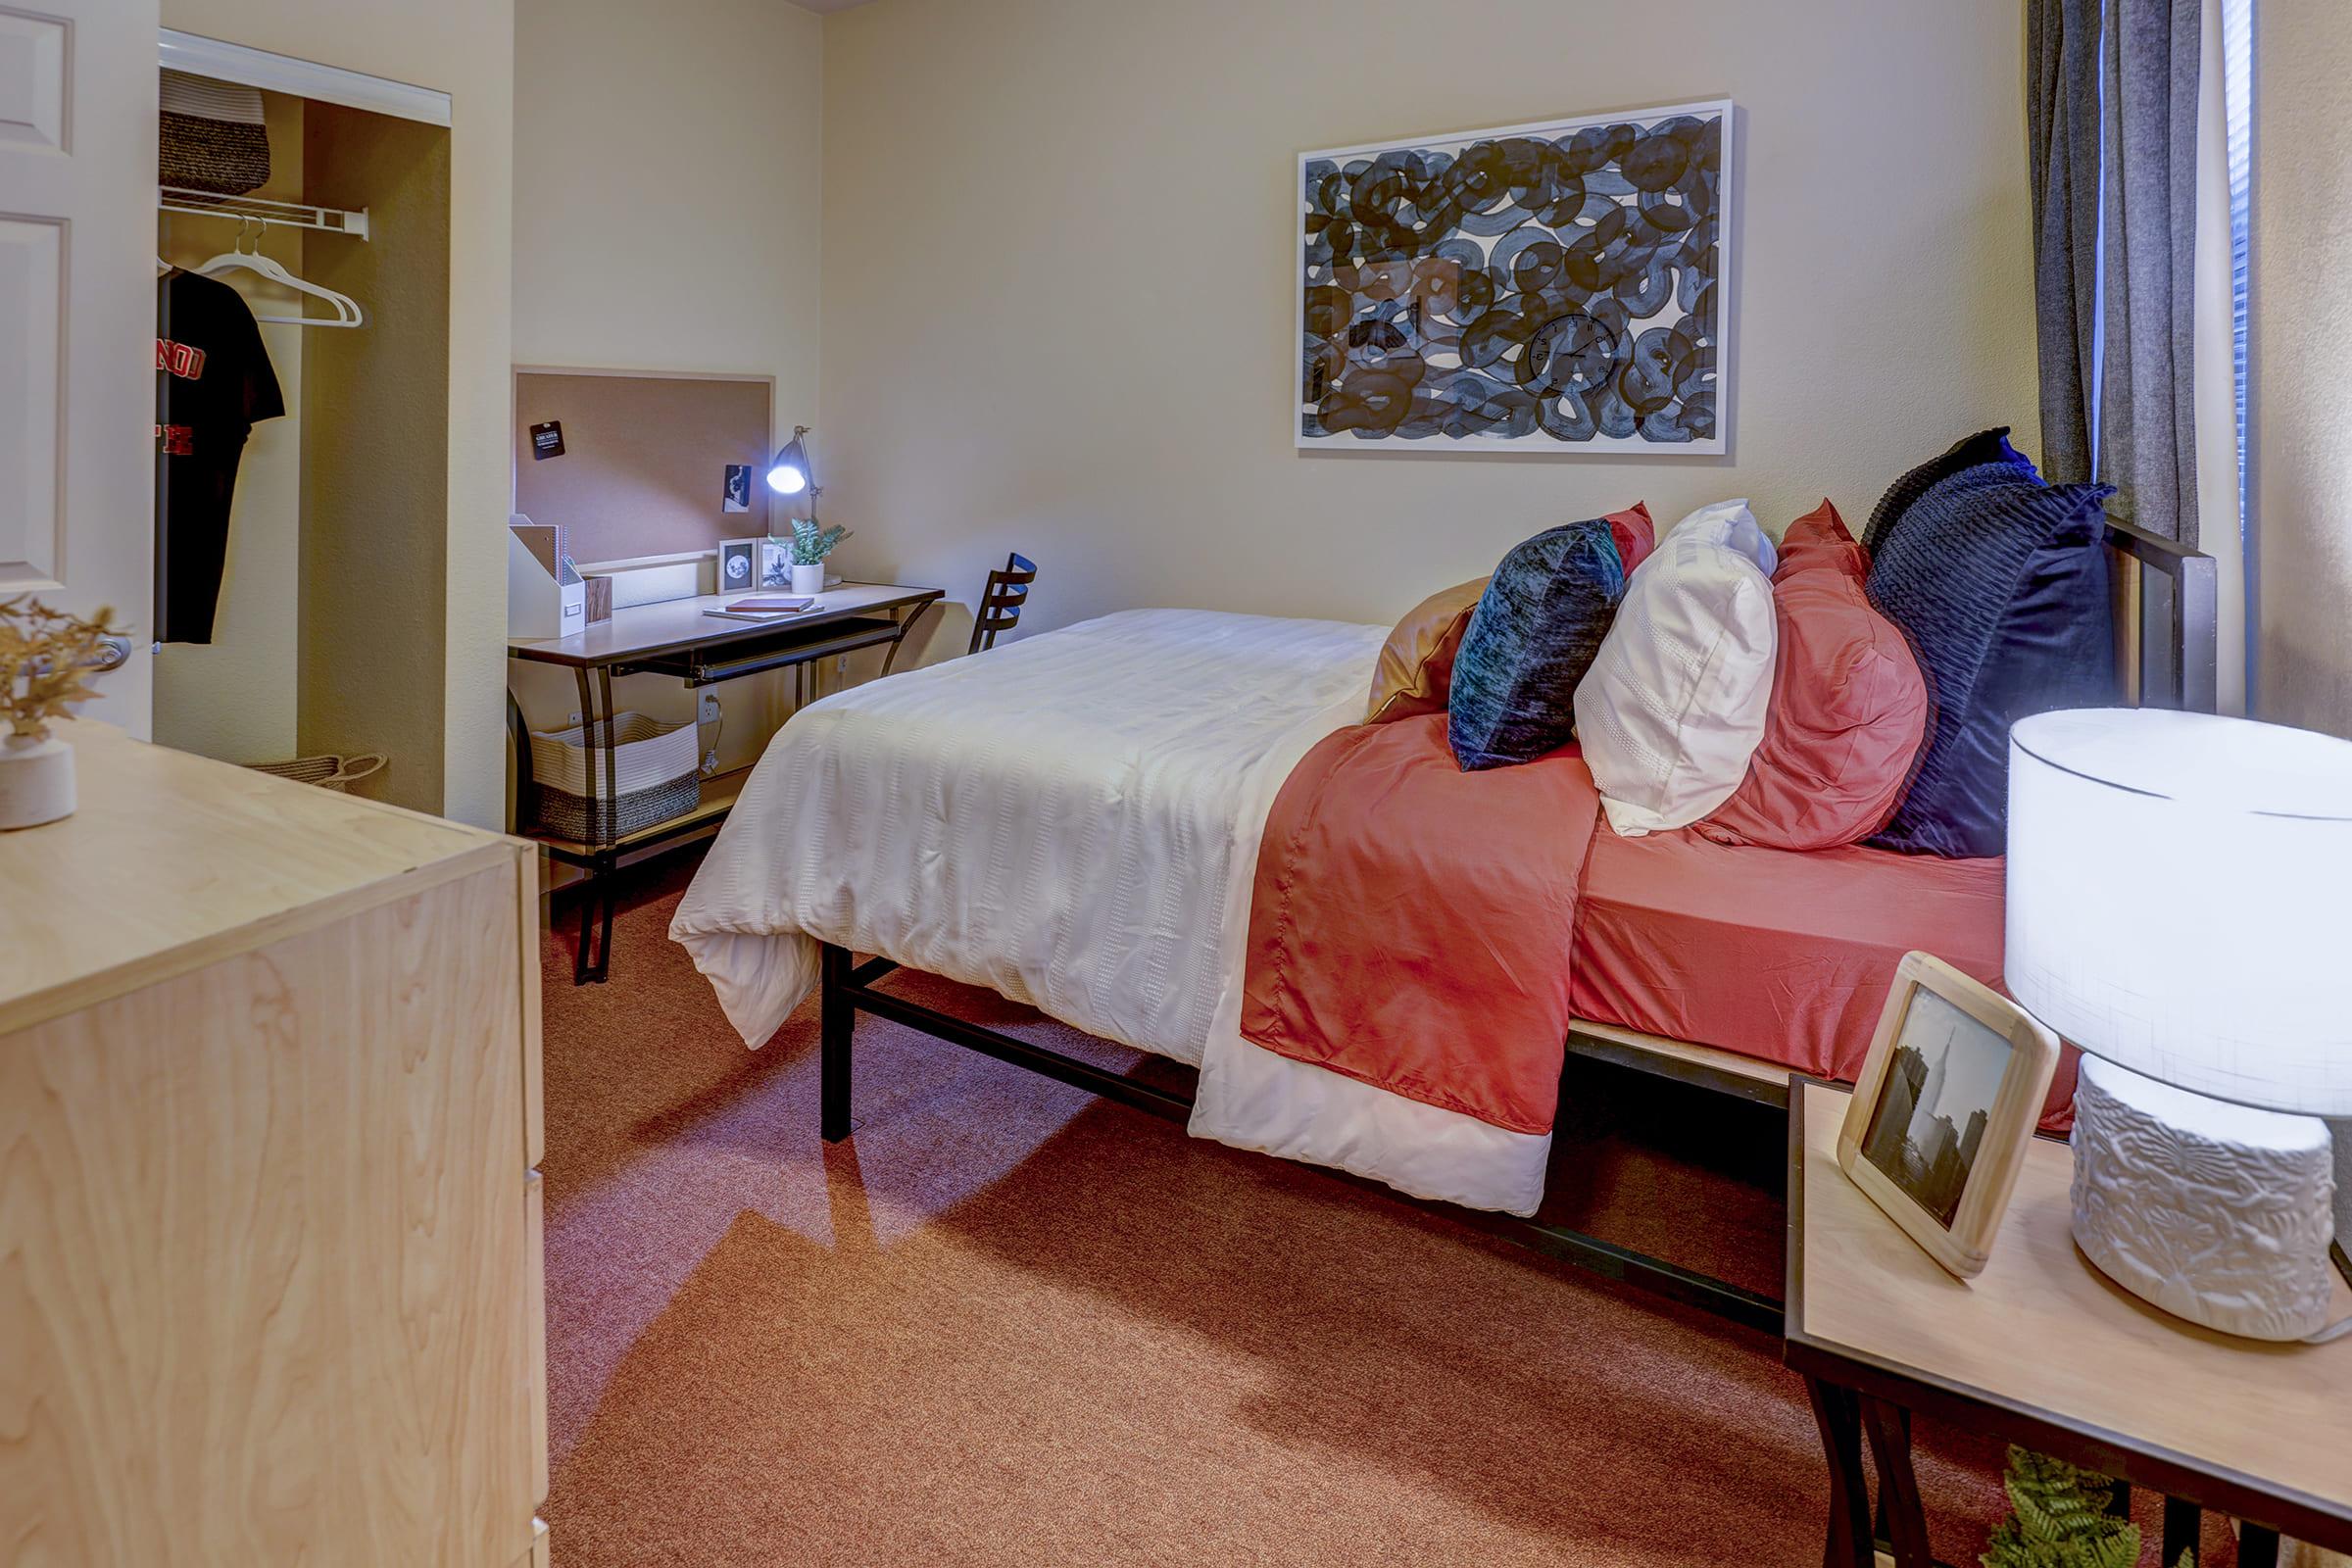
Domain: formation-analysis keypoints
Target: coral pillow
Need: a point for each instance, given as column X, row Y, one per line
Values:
column 1533, row 637
column 1818, row 539
column 1636, row 536
column 1675, row 703
column 1848, row 717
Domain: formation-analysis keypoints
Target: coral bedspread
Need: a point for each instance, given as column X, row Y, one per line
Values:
column 1413, row 926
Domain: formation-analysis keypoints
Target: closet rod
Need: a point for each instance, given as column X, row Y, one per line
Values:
column 289, row 215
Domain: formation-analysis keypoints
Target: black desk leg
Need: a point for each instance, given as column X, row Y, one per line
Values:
column 1850, row 1544
column 2257, row 1546
column 837, row 1019
column 1889, row 1429
column 592, row 954
column 2183, row 1521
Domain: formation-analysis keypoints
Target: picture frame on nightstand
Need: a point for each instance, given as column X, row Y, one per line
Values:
column 1949, row 1094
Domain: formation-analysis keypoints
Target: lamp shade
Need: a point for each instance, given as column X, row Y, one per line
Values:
column 788, row 475
column 2180, row 900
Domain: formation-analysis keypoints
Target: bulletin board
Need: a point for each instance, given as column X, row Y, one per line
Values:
column 636, row 463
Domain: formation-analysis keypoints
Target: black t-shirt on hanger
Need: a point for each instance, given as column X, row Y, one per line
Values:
column 212, row 383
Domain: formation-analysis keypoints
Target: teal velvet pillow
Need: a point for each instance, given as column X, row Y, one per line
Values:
column 1532, row 636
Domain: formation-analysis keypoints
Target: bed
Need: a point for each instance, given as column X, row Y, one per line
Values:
column 1073, row 821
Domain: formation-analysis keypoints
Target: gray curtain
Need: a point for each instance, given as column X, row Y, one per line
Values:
column 2112, row 141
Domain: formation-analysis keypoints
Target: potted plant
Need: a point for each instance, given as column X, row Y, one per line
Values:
column 44, row 654
column 811, row 545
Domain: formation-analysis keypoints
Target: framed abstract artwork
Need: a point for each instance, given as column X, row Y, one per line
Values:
column 1553, row 287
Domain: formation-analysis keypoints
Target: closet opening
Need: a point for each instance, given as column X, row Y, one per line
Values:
column 301, row 430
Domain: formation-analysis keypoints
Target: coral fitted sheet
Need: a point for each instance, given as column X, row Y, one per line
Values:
column 1778, row 954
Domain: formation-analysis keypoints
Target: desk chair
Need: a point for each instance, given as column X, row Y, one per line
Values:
column 1002, row 601
column 999, row 608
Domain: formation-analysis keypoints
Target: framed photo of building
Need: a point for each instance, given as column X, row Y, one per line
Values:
column 1951, row 1092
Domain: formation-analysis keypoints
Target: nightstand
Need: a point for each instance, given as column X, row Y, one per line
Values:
column 2041, row 1350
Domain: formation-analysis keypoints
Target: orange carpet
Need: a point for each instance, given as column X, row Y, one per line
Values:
column 1008, row 1324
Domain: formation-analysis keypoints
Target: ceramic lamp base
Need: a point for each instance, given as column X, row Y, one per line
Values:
column 37, row 781
column 2218, row 1213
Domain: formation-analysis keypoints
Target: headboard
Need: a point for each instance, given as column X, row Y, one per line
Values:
column 2167, row 622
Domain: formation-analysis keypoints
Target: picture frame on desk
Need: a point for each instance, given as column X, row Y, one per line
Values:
column 739, row 564
column 1949, row 1094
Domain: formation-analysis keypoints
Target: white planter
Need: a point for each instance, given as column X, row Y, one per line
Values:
column 809, row 579
column 37, row 781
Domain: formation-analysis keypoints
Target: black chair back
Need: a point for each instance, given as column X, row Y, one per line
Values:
column 1001, row 602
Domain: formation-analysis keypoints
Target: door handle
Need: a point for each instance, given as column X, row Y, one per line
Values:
column 112, row 653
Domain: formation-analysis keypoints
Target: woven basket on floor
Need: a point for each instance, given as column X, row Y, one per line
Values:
column 337, row 773
column 656, row 769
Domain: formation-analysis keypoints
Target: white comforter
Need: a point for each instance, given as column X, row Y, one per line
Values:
column 1060, row 820
column 1074, row 820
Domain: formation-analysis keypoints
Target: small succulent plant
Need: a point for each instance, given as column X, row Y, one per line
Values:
column 811, row 545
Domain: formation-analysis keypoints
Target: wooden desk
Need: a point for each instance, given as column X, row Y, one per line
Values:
column 677, row 637
column 2043, row 1349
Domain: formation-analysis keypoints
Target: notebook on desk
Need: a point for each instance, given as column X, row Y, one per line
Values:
column 763, row 606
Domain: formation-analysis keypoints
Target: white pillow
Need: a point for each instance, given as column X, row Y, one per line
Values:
column 1731, row 525
column 1674, row 704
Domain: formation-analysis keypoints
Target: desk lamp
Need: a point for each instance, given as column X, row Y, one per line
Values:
column 2181, row 907
column 790, row 475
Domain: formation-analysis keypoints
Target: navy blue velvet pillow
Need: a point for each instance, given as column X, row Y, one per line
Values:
column 1999, row 582
column 1532, row 636
column 1985, row 446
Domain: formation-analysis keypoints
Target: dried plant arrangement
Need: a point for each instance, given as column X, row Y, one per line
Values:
column 44, row 654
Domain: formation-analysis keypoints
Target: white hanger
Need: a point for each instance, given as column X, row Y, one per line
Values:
column 347, row 309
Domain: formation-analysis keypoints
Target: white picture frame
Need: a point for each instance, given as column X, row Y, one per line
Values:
column 739, row 565
column 1996, row 1063
column 1572, row 363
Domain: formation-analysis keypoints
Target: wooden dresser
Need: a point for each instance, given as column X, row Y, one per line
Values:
column 270, row 1223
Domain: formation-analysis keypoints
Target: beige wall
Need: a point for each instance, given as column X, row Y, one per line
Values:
column 666, row 218
column 2302, row 340
column 466, row 49
column 375, row 471
column 1059, row 296
column 665, row 192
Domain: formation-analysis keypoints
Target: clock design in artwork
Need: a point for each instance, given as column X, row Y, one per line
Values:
column 1573, row 352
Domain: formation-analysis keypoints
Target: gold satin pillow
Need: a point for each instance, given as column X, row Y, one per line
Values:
column 1416, row 664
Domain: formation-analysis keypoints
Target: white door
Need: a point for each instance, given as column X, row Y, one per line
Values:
column 78, row 155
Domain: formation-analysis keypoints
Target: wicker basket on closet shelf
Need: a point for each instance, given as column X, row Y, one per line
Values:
column 337, row 773
column 655, row 777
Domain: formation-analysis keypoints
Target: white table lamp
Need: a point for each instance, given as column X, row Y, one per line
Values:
column 2181, row 906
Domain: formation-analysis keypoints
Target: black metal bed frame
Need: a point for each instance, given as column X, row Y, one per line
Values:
column 2173, row 594
column 847, row 989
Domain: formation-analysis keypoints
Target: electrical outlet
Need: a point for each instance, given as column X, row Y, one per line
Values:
column 841, row 665
column 706, row 708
